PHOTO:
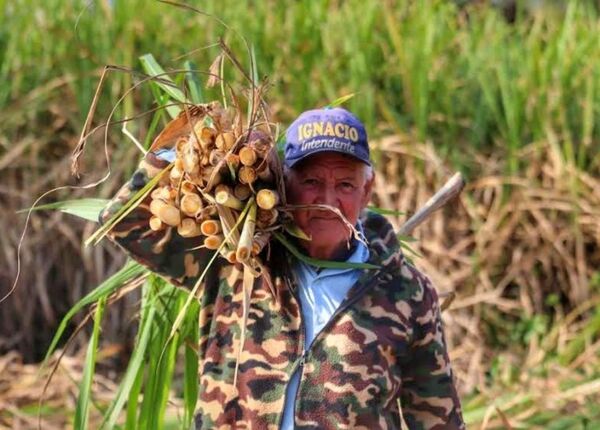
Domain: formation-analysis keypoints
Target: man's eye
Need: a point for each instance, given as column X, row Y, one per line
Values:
column 347, row 186
column 310, row 182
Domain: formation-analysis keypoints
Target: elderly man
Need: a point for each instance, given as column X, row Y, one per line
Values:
column 324, row 348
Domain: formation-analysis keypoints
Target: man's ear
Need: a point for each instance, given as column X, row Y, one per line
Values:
column 368, row 189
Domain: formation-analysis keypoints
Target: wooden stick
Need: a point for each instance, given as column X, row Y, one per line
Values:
column 451, row 189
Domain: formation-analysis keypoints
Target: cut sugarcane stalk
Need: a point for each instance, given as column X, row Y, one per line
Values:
column 213, row 242
column 164, row 193
column 242, row 191
column 247, row 175
column 247, row 156
column 188, row 228
column 156, row 224
column 265, row 174
column 168, row 214
column 228, row 254
column 233, row 160
column 267, row 218
column 244, row 248
column 210, row 227
column 190, row 204
column 158, row 193
column 267, row 199
column 181, row 144
column 260, row 141
column 216, row 156
column 225, row 141
column 208, row 212
column 207, row 137
column 260, row 241
column 175, row 174
column 188, row 187
column 222, row 187
column 155, row 205
column 227, row 224
column 224, row 198
column 190, row 159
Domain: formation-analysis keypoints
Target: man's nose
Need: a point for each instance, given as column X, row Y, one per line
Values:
column 328, row 196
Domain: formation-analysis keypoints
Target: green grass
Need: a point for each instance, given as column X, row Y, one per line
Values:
column 468, row 84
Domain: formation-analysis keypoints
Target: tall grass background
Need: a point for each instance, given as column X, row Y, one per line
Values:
column 514, row 105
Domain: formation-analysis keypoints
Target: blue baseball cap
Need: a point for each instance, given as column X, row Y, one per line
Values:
column 322, row 130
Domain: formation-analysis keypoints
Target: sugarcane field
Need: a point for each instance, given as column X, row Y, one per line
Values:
column 300, row 214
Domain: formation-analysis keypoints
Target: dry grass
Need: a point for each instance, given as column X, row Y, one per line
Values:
column 521, row 253
column 22, row 385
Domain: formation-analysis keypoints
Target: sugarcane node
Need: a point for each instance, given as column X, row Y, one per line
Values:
column 267, row 199
column 247, row 156
column 225, row 198
column 213, row 242
column 155, row 223
column 210, row 227
column 247, row 175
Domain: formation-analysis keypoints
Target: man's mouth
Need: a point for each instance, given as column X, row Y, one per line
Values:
column 325, row 218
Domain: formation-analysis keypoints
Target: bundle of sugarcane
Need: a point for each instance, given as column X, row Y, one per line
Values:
column 223, row 177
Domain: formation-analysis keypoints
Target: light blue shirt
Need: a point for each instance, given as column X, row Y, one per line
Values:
column 320, row 294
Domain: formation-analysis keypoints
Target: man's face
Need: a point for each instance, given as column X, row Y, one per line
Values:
column 332, row 179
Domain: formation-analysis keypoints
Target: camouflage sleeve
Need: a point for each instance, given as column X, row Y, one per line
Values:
column 164, row 252
column 429, row 399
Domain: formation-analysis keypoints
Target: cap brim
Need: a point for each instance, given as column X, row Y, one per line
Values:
column 321, row 150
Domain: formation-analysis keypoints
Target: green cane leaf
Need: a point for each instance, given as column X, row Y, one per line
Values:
column 85, row 388
column 88, row 209
column 193, row 83
column 340, row 100
column 128, row 272
column 126, row 208
column 321, row 263
column 152, row 68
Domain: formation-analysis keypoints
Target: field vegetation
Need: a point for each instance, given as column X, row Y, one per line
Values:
column 514, row 105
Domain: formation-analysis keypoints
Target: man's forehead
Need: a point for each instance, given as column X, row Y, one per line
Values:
column 330, row 161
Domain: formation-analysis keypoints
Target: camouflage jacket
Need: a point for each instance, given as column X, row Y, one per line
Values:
column 383, row 347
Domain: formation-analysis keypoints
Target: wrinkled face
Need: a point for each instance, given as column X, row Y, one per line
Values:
column 332, row 179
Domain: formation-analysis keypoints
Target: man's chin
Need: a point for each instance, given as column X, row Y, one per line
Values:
column 319, row 224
